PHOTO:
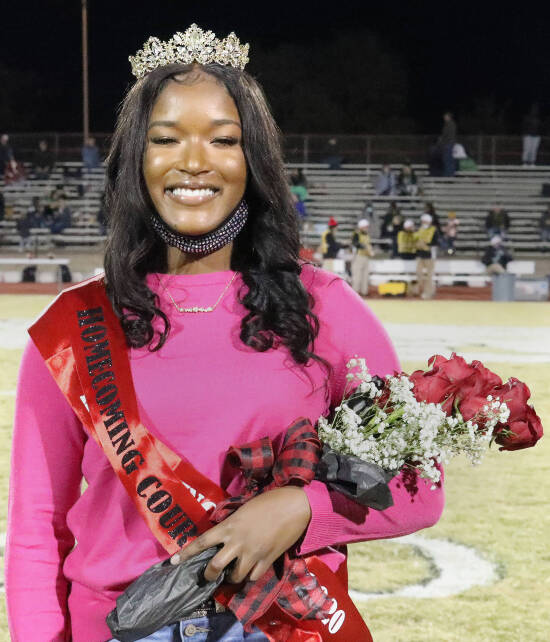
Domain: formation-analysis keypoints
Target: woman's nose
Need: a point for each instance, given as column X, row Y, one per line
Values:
column 192, row 158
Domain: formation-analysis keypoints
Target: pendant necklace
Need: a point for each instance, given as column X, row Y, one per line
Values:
column 196, row 308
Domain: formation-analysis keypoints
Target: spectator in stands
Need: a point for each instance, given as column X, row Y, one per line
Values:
column 391, row 224
column 297, row 177
column 62, row 217
column 463, row 162
column 7, row 158
column 332, row 155
column 545, row 225
column 10, row 169
column 430, row 209
column 497, row 222
column 362, row 248
column 406, row 240
column 446, row 144
column 2, row 206
column 370, row 214
column 531, row 136
column 426, row 248
column 385, row 184
column 34, row 213
column 43, row 161
column 90, row 155
column 407, row 182
column 24, row 225
column 329, row 245
column 449, row 234
column 299, row 194
column 496, row 257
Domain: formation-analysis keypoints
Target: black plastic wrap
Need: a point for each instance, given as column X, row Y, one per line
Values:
column 163, row 595
column 364, row 482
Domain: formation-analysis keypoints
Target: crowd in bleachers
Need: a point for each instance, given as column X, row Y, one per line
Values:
column 486, row 213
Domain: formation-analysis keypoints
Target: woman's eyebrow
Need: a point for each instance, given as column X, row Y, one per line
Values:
column 218, row 122
column 225, row 121
column 162, row 123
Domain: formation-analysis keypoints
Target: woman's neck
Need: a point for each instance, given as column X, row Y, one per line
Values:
column 179, row 262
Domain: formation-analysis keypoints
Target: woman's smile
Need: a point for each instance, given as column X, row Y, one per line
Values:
column 192, row 195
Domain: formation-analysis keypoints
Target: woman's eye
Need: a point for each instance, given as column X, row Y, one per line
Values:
column 226, row 140
column 163, row 140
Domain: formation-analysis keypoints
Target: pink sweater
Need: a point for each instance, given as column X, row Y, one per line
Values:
column 201, row 393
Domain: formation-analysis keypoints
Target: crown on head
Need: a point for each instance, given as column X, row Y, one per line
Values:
column 195, row 45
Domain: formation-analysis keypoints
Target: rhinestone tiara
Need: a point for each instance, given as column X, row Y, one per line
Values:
column 195, row 45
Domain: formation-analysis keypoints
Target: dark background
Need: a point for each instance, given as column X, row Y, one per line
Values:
column 356, row 67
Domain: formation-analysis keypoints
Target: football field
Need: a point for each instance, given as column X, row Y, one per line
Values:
column 483, row 572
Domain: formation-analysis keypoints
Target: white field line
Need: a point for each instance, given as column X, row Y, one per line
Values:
column 413, row 341
column 13, row 333
column 485, row 342
column 7, row 393
column 458, row 568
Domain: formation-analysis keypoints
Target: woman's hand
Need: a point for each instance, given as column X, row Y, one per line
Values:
column 255, row 535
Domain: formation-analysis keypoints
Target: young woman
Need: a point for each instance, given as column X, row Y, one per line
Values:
column 230, row 339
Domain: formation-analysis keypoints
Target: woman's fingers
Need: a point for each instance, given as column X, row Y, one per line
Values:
column 242, row 568
column 260, row 569
column 219, row 562
column 212, row 537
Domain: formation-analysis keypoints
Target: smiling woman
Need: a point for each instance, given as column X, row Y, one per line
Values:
column 173, row 382
column 194, row 164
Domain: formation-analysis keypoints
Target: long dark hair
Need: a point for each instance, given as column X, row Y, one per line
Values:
column 265, row 252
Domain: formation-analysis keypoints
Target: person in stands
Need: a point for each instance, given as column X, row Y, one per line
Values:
column 531, row 136
column 496, row 257
column 361, row 244
column 544, row 225
column 385, row 184
column 407, row 181
column 44, row 161
column 497, row 222
column 406, row 240
column 447, row 141
column 329, row 245
column 449, row 234
column 391, row 224
column 426, row 246
column 90, row 155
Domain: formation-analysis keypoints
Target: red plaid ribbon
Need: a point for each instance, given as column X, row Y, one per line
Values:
column 295, row 589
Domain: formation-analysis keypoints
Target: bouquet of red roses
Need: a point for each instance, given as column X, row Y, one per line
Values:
column 420, row 421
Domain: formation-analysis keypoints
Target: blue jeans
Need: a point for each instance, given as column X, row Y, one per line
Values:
column 222, row 627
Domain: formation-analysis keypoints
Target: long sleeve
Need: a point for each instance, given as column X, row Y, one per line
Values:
column 335, row 519
column 45, row 482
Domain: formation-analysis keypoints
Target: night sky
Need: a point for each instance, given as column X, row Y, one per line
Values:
column 461, row 56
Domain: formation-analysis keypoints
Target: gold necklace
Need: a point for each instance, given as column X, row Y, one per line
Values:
column 196, row 308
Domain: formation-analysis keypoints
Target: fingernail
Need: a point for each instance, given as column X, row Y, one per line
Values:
column 175, row 559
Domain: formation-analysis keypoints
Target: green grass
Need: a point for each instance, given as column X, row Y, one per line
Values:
column 500, row 508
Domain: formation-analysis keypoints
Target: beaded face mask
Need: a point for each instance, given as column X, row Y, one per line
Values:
column 204, row 243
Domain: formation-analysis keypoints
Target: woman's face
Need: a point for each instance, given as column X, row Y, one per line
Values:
column 194, row 164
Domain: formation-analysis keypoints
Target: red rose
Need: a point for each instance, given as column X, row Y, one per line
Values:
column 450, row 380
column 525, row 431
column 514, row 394
column 472, row 406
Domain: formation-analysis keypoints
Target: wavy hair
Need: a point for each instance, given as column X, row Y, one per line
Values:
column 265, row 252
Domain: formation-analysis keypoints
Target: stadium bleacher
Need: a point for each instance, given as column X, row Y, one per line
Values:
column 341, row 193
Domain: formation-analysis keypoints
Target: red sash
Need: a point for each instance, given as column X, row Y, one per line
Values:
column 83, row 345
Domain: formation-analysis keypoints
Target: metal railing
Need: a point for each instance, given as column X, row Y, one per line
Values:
column 314, row 148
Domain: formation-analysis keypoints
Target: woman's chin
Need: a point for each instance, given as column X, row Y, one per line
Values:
column 194, row 228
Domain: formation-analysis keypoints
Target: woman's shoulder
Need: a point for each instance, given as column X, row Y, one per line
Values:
column 332, row 294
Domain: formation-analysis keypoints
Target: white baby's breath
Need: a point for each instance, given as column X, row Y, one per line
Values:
column 405, row 431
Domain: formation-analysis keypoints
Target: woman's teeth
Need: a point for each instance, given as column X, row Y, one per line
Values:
column 181, row 191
